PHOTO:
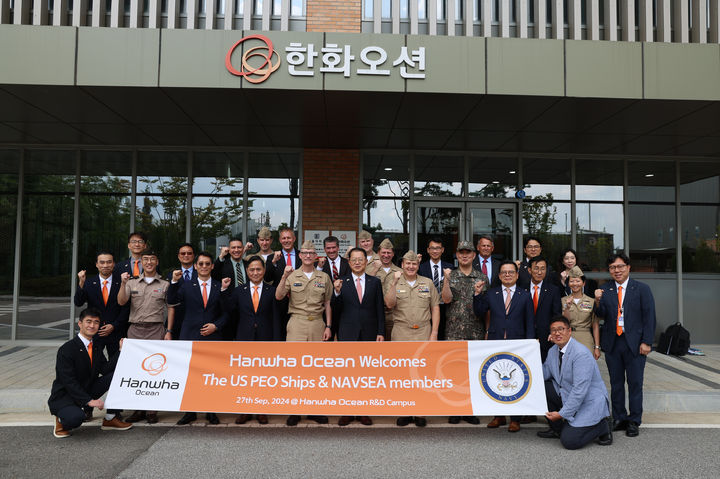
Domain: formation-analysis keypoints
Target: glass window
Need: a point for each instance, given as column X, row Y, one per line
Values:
column 600, row 232
column 651, row 181
column 652, row 237
column 386, row 175
column 439, row 175
column 700, row 196
column 218, row 173
column 549, row 221
column 546, row 179
column 599, row 180
column 700, row 182
column 388, row 218
column 9, row 161
column 273, row 213
column 273, row 174
column 492, row 177
column 161, row 206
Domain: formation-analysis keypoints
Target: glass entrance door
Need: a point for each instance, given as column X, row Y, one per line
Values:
column 455, row 221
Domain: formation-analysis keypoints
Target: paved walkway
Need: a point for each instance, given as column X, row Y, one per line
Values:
column 683, row 390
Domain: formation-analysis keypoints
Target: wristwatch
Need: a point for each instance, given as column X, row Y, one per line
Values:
column 597, row 347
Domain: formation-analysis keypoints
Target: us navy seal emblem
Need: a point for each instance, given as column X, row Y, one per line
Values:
column 505, row 378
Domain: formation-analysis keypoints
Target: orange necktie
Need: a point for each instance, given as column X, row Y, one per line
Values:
column 255, row 298
column 535, row 299
column 619, row 329
column 204, row 285
column 89, row 350
column 105, row 292
column 136, row 268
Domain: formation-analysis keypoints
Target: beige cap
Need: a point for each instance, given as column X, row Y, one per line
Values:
column 386, row 244
column 364, row 235
column 264, row 232
column 308, row 245
column 575, row 272
column 410, row 256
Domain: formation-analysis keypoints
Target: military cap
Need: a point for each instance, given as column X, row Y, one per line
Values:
column 410, row 256
column 386, row 244
column 464, row 245
column 308, row 245
column 364, row 235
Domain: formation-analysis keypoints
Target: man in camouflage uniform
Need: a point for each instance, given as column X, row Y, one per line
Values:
column 384, row 268
column 457, row 293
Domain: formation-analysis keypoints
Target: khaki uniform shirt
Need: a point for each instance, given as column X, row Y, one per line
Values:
column 412, row 314
column 581, row 319
column 308, row 296
column 147, row 300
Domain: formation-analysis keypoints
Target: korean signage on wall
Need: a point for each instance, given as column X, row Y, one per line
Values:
column 257, row 63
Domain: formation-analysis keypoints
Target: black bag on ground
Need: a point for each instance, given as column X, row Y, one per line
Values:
column 675, row 340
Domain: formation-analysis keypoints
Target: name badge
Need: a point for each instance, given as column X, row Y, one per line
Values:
column 297, row 284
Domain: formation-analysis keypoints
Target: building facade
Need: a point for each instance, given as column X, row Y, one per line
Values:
column 591, row 124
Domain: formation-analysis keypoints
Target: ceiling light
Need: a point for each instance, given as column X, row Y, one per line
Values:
column 388, row 169
column 649, row 175
column 512, row 172
column 496, row 182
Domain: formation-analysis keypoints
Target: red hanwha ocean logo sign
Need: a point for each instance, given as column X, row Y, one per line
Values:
column 261, row 56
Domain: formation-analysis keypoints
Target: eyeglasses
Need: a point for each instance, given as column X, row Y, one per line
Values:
column 506, row 273
column 307, row 253
column 186, row 253
column 533, row 246
column 136, row 241
column 558, row 330
column 617, row 267
column 356, row 260
column 205, row 263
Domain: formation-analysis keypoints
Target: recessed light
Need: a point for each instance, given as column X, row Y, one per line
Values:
column 649, row 175
column 496, row 182
column 512, row 172
column 388, row 169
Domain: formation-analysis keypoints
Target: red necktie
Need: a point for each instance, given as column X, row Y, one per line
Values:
column 619, row 328
column 289, row 261
column 334, row 271
column 255, row 298
column 204, row 285
column 535, row 299
column 89, row 350
column 105, row 292
column 484, row 267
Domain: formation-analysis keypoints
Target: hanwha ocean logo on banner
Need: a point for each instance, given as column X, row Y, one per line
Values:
column 455, row 378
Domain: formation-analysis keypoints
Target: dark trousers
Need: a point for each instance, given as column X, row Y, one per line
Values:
column 72, row 416
column 622, row 364
column 571, row 437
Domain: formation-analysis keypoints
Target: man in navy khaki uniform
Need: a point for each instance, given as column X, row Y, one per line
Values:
column 626, row 338
column 577, row 399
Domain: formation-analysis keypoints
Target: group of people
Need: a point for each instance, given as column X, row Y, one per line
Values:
column 296, row 295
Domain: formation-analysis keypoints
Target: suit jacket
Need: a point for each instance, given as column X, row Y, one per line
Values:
column 578, row 383
column 549, row 305
column 360, row 321
column 263, row 325
column 516, row 324
column 74, row 374
column 112, row 313
column 425, row 270
column 196, row 313
column 274, row 272
column 343, row 271
column 223, row 268
column 125, row 267
column 179, row 308
column 638, row 311
column 494, row 270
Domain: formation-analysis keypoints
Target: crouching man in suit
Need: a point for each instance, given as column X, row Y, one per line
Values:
column 82, row 376
column 577, row 399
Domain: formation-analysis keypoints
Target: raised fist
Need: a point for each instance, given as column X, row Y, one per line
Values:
column 81, row 278
column 321, row 261
column 479, row 286
column 177, row 274
column 224, row 251
column 276, row 257
column 288, row 270
column 125, row 277
column 396, row 276
column 248, row 247
column 446, row 272
column 226, row 283
column 598, row 294
column 337, row 285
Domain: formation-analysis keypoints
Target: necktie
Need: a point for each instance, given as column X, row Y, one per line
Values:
column 358, row 286
column 289, row 261
column 560, row 361
column 255, row 298
column 484, row 267
column 436, row 278
column 535, row 299
column 619, row 328
column 507, row 300
column 334, row 271
column 238, row 273
column 204, row 285
column 89, row 350
column 105, row 292
column 136, row 268
column 186, row 276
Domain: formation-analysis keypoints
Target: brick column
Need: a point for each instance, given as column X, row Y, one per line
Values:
column 331, row 189
column 334, row 15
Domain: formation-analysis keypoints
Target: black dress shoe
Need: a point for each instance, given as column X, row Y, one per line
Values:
column 528, row 419
column 420, row 421
column 607, row 438
column 292, row 420
column 262, row 418
column 345, row 420
column 619, row 425
column 471, row 420
column 242, row 418
column 212, row 418
column 548, row 433
column 454, row 420
column 152, row 418
column 136, row 416
column 404, row 420
column 319, row 419
column 632, row 429
column 187, row 418
column 365, row 420
column 88, row 414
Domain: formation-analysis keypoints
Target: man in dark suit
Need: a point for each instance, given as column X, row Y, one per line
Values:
column 186, row 257
column 335, row 267
column 82, row 376
column 288, row 255
column 485, row 262
column 626, row 337
column 546, row 302
column 100, row 292
column 511, row 317
column 230, row 264
column 137, row 243
column 434, row 269
column 358, row 299
column 204, row 318
column 531, row 248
